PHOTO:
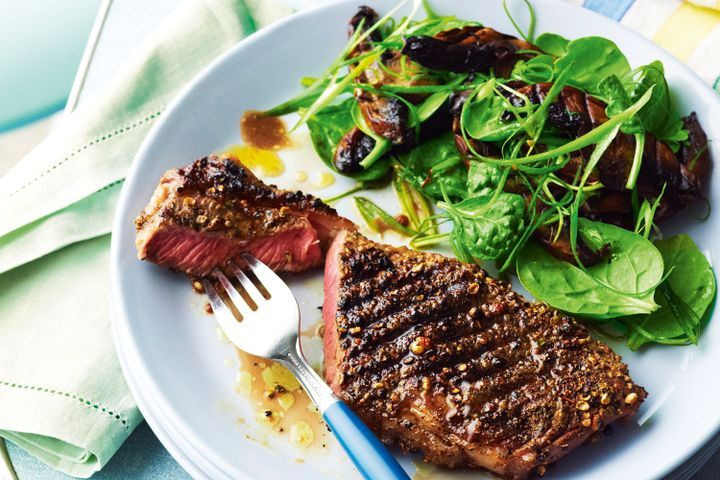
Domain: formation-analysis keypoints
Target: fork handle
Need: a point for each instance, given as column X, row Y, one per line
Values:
column 369, row 455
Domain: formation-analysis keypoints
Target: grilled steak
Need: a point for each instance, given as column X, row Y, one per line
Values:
column 438, row 357
column 203, row 215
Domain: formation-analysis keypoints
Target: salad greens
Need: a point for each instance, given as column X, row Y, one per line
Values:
column 634, row 268
column 488, row 227
column 592, row 59
column 435, row 166
column 690, row 282
column 327, row 128
column 515, row 176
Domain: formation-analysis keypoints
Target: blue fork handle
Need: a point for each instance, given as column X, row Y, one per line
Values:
column 369, row 455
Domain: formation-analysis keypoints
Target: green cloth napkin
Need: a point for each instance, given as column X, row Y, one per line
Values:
column 62, row 393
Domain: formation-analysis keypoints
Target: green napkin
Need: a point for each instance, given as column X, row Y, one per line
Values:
column 62, row 394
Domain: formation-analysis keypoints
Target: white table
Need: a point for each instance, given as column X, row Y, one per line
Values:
column 121, row 27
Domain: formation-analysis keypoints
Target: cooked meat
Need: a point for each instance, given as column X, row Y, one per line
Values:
column 438, row 357
column 467, row 49
column 204, row 215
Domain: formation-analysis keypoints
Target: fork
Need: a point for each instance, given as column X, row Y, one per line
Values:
column 271, row 330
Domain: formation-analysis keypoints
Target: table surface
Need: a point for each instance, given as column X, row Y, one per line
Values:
column 142, row 457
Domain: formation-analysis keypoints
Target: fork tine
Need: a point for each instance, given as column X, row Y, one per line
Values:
column 247, row 284
column 238, row 301
column 264, row 274
column 224, row 316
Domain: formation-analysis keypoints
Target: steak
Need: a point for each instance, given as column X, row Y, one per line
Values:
column 207, row 213
column 438, row 357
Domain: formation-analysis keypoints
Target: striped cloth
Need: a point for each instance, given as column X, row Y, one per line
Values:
column 690, row 30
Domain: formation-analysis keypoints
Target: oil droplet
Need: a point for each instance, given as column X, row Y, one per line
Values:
column 325, row 180
column 423, row 470
column 266, row 162
column 301, row 176
column 263, row 131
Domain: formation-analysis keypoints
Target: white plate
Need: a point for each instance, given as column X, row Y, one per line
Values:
column 172, row 358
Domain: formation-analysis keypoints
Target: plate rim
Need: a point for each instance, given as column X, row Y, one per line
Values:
column 120, row 320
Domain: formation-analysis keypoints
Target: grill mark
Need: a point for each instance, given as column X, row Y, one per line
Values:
column 394, row 324
column 436, row 328
column 372, row 293
column 390, row 369
column 455, row 330
column 477, row 354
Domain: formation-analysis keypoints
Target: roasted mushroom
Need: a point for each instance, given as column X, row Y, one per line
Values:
column 468, row 49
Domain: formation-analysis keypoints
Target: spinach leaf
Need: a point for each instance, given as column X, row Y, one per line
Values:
column 634, row 266
column 657, row 115
column 328, row 126
column 592, row 59
column 482, row 112
column 693, row 281
column 552, row 44
column 488, row 227
column 613, row 93
column 482, row 178
column 435, row 165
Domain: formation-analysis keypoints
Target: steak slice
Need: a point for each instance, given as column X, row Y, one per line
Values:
column 207, row 213
column 438, row 357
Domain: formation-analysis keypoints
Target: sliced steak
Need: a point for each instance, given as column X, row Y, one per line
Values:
column 207, row 213
column 438, row 357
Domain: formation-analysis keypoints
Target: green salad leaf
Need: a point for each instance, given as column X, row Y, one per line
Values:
column 482, row 116
column 482, row 178
column 591, row 60
column 328, row 126
column 552, row 44
column 435, row 165
column 657, row 115
column 633, row 267
column 486, row 227
column 691, row 279
column 612, row 91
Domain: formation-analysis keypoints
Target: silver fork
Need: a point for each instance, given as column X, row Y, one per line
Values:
column 271, row 330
